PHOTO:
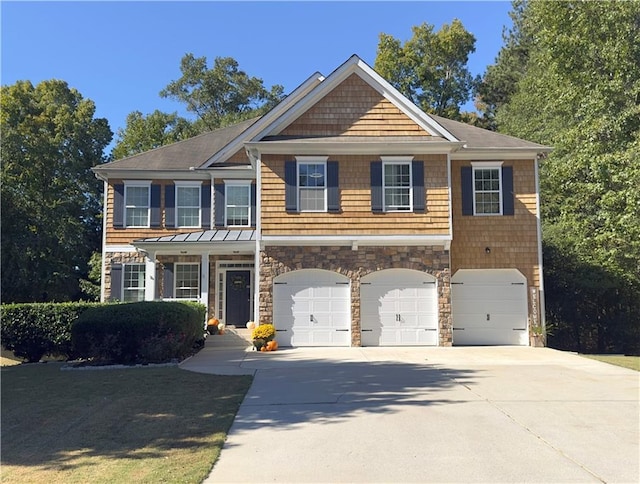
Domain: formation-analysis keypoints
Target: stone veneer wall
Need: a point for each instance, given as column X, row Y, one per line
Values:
column 355, row 264
column 118, row 258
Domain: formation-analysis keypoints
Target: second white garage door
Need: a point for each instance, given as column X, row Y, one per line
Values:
column 489, row 307
column 312, row 307
column 399, row 307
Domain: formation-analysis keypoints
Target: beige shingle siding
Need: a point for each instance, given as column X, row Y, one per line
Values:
column 354, row 108
column 513, row 240
column 356, row 217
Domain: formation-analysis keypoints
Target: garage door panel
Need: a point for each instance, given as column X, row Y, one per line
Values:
column 312, row 308
column 397, row 308
column 489, row 307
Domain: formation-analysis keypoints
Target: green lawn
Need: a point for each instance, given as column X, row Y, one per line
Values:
column 632, row 362
column 144, row 425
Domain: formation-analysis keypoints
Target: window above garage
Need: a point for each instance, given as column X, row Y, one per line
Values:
column 487, row 189
column 312, row 185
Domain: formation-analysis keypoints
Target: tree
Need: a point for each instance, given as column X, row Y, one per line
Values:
column 51, row 203
column 222, row 95
column 144, row 133
column 580, row 92
column 430, row 68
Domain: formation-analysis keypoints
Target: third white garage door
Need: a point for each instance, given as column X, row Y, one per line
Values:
column 399, row 307
column 312, row 307
column 489, row 307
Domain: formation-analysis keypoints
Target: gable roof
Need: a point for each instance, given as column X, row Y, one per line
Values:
column 192, row 152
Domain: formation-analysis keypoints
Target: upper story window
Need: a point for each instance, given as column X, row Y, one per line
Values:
column 188, row 204
column 487, row 189
column 133, row 282
column 137, row 201
column 487, row 195
column 311, row 185
column 397, row 186
column 312, row 194
column 238, row 204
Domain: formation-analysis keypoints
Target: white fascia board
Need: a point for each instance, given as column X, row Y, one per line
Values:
column 360, row 240
column 498, row 154
column 196, row 174
column 197, row 248
column 301, row 147
column 237, row 144
column 366, row 73
column 119, row 248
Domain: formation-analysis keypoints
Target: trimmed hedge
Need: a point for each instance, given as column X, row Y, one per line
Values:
column 32, row 330
column 143, row 332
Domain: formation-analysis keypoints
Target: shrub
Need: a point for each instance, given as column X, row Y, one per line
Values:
column 144, row 332
column 32, row 330
column 265, row 332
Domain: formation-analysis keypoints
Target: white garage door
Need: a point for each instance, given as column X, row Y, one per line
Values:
column 399, row 307
column 489, row 307
column 312, row 307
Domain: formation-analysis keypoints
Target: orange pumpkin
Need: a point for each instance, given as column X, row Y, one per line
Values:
column 264, row 348
column 272, row 345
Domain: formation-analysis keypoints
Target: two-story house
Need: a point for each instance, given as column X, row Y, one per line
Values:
column 344, row 216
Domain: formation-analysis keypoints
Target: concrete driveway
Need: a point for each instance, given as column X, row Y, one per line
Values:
column 476, row 414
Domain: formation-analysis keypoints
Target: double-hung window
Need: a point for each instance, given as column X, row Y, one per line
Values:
column 238, row 204
column 133, row 282
column 187, row 281
column 312, row 185
column 397, row 186
column 137, row 197
column 487, row 193
column 188, row 204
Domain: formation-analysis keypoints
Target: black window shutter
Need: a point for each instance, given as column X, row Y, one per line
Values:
column 205, row 201
column 466, row 177
column 167, row 283
column 170, row 206
column 377, row 204
column 507, row 191
column 291, row 186
column 219, row 204
column 333, row 190
column 118, row 205
column 116, row 282
column 156, row 214
column 417, row 171
column 253, row 205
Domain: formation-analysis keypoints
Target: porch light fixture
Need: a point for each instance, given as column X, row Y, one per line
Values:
column 487, row 250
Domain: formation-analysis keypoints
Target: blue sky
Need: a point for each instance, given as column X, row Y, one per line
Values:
column 120, row 54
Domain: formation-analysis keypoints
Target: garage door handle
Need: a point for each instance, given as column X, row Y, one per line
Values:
column 366, row 330
column 342, row 330
column 280, row 330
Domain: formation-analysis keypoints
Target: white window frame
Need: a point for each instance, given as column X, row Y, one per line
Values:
column 142, row 288
column 397, row 160
column 137, row 184
column 312, row 160
column 237, row 183
column 188, row 184
column 175, row 282
column 487, row 165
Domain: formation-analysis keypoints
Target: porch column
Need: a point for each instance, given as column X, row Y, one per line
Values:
column 150, row 276
column 204, row 279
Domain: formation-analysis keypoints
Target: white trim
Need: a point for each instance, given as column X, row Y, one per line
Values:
column 487, row 165
column 236, row 183
column 184, row 174
column 541, row 303
column 103, row 263
column 361, row 241
column 137, row 184
column 256, row 129
column 449, row 200
column 188, row 184
column 490, row 154
column 311, row 160
column 150, row 277
column 221, row 270
column 119, row 248
column 400, row 161
column 204, row 280
column 351, row 147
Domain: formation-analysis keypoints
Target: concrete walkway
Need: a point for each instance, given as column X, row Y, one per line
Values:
column 477, row 414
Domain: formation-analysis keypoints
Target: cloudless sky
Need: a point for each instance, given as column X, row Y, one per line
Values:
column 120, row 54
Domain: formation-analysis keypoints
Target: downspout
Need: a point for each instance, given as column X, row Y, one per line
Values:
column 255, row 158
column 543, row 319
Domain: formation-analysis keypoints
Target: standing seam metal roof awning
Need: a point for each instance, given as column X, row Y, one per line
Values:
column 207, row 236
